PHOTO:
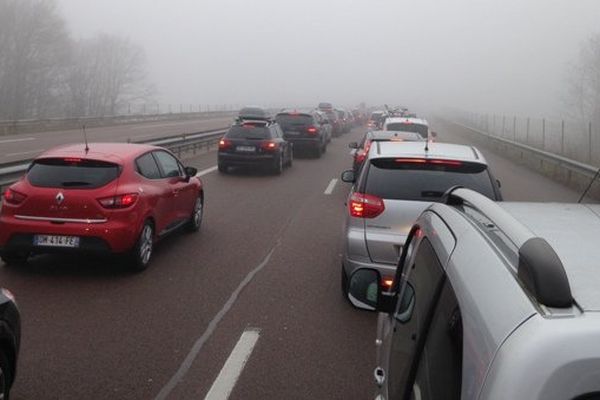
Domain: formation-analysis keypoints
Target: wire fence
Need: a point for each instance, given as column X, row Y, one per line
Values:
column 576, row 140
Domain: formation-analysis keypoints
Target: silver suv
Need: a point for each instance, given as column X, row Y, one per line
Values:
column 491, row 301
column 397, row 182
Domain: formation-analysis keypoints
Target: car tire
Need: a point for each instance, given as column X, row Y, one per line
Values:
column 223, row 168
column 278, row 166
column 196, row 218
column 5, row 375
column 141, row 254
column 291, row 159
column 13, row 258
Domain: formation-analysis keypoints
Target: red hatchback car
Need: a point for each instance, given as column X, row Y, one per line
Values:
column 113, row 198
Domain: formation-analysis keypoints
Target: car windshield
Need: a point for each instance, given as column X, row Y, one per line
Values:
column 413, row 179
column 422, row 130
column 248, row 131
column 72, row 173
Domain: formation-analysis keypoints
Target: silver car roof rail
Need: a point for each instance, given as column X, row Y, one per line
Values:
column 540, row 270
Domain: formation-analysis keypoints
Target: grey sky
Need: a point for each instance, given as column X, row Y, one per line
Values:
column 492, row 55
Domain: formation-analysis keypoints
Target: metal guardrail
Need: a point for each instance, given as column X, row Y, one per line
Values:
column 10, row 172
column 54, row 124
column 572, row 165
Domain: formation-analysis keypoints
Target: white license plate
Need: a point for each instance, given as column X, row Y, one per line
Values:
column 292, row 133
column 56, row 241
column 246, row 149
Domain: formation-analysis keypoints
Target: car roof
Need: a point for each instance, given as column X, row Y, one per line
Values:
column 435, row 150
column 401, row 135
column 577, row 247
column 115, row 152
column 298, row 112
column 406, row 120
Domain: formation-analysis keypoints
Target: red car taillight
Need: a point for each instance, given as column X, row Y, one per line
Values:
column 224, row 144
column 13, row 197
column 387, row 282
column 365, row 205
column 120, row 201
column 360, row 156
column 312, row 130
column 269, row 145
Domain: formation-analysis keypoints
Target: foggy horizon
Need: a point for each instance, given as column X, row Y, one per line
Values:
column 478, row 55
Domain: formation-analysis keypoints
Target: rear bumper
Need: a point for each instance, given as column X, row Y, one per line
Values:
column 113, row 236
column 305, row 143
column 246, row 159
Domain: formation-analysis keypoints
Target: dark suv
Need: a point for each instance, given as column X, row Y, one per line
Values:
column 304, row 130
column 255, row 143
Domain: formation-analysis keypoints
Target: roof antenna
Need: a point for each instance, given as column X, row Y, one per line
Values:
column 589, row 186
column 87, row 148
column 426, row 145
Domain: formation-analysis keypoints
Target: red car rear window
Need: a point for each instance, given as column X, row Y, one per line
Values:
column 73, row 173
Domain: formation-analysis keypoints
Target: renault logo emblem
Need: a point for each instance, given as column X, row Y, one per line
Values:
column 60, row 198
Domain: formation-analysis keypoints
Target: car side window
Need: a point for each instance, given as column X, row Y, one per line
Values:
column 423, row 277
column 274, row 131
column 169, row 164
column 147, row 167
column 439, row 372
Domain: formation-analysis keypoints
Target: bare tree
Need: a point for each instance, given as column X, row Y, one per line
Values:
column 584, row 82
column 35, row 46
column 107, row 73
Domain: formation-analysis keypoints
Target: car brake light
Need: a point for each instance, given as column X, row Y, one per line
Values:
column 365, row 205
column 13, row 197
column 360, row 156
column 454, row 163
column 120, row 201
column 269, row 145
column 312, row 130
column 224, row 144
column 72, row 160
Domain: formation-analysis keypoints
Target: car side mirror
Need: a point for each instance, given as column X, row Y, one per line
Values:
column 434, row 134
column 498, row 183
column 348, row 176
column 190, row 172
column 353, row 145
column 365, row 291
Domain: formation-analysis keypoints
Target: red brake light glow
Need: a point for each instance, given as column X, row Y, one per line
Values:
column 365, row 205
column 120, row 201
column 454, row 163
column 269, row 145
column 72, row 160
column 224, row 144
column 13, row 197
column 311, row 129
column 387, row 282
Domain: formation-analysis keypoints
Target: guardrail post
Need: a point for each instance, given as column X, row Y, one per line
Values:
column 527, row 134
column 515, row 128
column 494, row 124
column 170, row 111
column 543, row 133
column 562, row 137
column 503, row 125
column 180, row 108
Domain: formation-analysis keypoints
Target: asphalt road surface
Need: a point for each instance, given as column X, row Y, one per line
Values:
column 260, row 282
column 26, row 146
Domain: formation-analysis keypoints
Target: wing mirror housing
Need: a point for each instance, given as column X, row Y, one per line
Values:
column 353, row 145
column 190, row 172
column 348, row 176
column 366, row 291
column 434, row 134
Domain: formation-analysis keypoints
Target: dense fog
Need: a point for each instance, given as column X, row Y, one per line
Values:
column 489, row 55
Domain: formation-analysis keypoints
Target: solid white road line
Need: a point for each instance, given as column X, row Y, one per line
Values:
column 206, row 171
column 27, row 139
column 231, row 371
column 331, row 186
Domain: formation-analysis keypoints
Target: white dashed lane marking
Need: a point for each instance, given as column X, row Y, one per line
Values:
column 231, row 371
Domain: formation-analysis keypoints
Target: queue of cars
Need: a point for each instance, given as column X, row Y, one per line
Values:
column 477, row 298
